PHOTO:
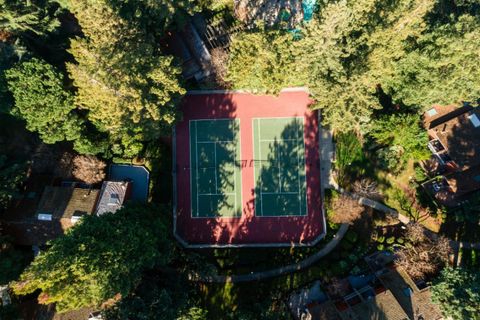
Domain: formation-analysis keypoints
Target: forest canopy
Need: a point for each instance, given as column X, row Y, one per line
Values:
column 356, row 50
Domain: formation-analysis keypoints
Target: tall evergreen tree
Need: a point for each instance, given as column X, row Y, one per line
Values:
column 128, row 88
column 262, row 61
column 442, row 68
column 37, row 17
column 42, row 101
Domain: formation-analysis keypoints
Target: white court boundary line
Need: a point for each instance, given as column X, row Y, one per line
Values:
column 196, row 215
column 258, row 120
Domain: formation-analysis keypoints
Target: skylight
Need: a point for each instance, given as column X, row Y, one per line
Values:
column 432, row 112
column 474, row 119
column 44, row 216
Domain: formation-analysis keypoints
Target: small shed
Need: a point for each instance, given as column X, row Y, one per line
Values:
column 112, row 196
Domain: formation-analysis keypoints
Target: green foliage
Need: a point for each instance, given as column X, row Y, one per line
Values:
column 12, row 261
column 98, row 258
column 194, row 313
column 389, row 158
column 437, row 72
column 161, row 15
column 351, row 236
column 38, row 17
column 262, row 61
column 42, row 102
column 420, row 174
column 390, row 240
column 349, row 151
column 331, row 61
column 159, row 296
column 9, row 54
column 457, row 292
column 354, row 48
column 12, row 175
column 129, row 90
column 404, row 136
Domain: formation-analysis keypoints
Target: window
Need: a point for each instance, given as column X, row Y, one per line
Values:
column 114, row 199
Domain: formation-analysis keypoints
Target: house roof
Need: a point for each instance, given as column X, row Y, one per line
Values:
column 439, row 114
column 324, row 311
column 383, row 306
column 417, row 302
column 465, row 181
column 112, row 196
column 458, row 134
column 64, row 202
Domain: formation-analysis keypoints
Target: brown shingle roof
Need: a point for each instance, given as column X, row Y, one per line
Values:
column 383, row 307
column 459, row 136
column 63, row 202
column 418, row 302
column 440, row 114
column 465, row 181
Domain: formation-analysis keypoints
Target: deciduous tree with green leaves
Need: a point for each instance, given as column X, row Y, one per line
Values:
column 457, row 292
column 98, row 259
column 404, row 133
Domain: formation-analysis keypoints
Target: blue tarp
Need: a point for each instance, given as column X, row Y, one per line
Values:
column 139, row 176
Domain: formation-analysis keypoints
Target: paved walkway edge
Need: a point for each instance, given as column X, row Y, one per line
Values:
column 262, row 275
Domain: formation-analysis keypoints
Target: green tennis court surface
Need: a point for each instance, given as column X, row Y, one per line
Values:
column 279, row 153
column 215, row 174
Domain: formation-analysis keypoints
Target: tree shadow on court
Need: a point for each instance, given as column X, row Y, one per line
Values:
column 285, row 173
column 280, row 186
column 217, row 172
column 212, row 226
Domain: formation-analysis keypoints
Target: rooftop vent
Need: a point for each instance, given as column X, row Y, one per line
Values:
column 474, row 119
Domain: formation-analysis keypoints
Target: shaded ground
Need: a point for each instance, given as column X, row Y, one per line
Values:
column 256, row 276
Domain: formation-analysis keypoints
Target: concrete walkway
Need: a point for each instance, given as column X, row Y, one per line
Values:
column 326, row 157
column 256, row 276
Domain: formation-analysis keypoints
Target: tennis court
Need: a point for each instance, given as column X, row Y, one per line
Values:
column 247, row 170
column 214, row 168
column 279, row 153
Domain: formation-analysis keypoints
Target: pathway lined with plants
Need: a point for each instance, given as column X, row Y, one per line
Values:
column 262, row 275
column 456, row 245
